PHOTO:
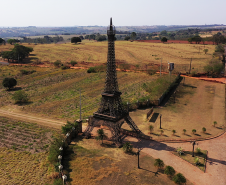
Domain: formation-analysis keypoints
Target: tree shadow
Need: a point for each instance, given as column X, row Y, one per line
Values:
column 187, row 85
column 197, row 134
column 15, row 89
column 24, row 103
column 219, row 128
column 208, row 133
column 188, row 135
column 176, row 135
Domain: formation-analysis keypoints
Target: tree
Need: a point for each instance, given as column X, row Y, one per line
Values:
column 68, row 127
column 75, row 39
column 57, row 63
column 164, row 39
column 19, row 52
column 9, row 82
column 133, row 36
column 205, row 50
column 193, row 131
column 151, row 128
column 214, row 123
column 101, row 38
column 81, row 37
column 20, row 97
column 214, row 68
column 73, row 62
column 184, row 130
column 203, row 129
column 159, row 163
column 2, row 40
column 169, row 170
column 101, row 135
column 162, row 131
column 127, row 147
column 6, row 55
column 174, row 131
column 197, row 39
column 220, row 48
column 11, row 41
column 179, row 179
column 164, row 32
column 127, row 38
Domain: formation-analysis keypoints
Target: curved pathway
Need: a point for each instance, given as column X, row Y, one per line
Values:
column 216, row 161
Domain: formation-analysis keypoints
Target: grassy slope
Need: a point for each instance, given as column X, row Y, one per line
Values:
column 55, row 92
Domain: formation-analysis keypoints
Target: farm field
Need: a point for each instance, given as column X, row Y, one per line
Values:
column 55, row 92
column 90, row 163
column 197, row 104
column 23, row 152
column 135, row 53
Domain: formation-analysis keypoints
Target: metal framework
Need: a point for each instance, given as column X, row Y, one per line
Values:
column 111, row 112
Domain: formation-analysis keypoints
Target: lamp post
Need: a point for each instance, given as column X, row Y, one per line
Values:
column 193, row 144
column 60, row 158
column 138, row 154
column 160, row 121
column 60, row 167
column 64, row 177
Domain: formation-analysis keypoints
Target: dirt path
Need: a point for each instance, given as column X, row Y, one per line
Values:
column 32, row 118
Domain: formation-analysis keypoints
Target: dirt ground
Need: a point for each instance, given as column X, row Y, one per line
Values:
column 197, row 104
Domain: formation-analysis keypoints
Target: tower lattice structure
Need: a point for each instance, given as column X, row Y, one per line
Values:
column 111, row 112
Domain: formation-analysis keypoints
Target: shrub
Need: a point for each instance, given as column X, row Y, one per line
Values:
column 68, row 127
column 169, row 170
column 73, row 62
column 91, row 70
column 127, row 147
column 9, row 82
column 214, row 68
column 198, row 150
column 20, row 97
column 193, row 131
column 203, row 129
column 151, row 128
column 197, row 161
column 64, row 67
column 101, row 135
column 26, row 72
column 159, row 163
column 180, row 150
column 214, row 123
column 162, row 131
column 179, row 178
column 184, row 130
column 57, row 63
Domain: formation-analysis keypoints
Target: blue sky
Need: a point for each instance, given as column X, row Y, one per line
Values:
column 123, row 12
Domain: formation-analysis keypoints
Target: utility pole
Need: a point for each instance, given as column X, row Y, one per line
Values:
column 161, row 67
column 80, row 105
column 190, row 66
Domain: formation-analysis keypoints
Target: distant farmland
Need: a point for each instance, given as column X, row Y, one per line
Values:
column 135, row 53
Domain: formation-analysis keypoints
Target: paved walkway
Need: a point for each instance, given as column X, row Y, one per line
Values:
column 216, row 162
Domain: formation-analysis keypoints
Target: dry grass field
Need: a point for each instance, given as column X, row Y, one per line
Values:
column 134, row 53
column 23, row 153
column 198, row 104
column 90, row 163
column 55, row 92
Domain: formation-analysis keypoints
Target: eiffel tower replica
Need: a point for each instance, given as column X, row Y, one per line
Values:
column 111, row 112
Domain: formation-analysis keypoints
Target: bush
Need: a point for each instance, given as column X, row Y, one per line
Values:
column 20, row 97
column 64, row 67
column 179, row 179
column 198, row 150
column 73, row 62
column 184, row 130
column 91, row 70
column 57, row 63
column 180, row 150
column 197, row 161
column 9, row 83
column 151, row 128
column 75, row 39
column 68, row 127
column 127, row 147
column 169, row 170
column 174, row 131
column 214, row 123
column 26, row 72
column 214, row 68
column 193, row 131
